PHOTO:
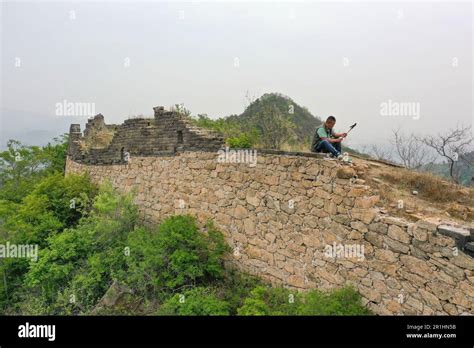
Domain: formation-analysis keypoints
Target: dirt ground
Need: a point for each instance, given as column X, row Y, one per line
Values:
column 415, row 195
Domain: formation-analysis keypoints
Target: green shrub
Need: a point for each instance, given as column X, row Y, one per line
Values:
column 176, row 255
column 188, row 254
column 143, row 264
column 42, row 214
column 235, row 287
column 235, row 134
column 197, row 301
column 270, row 301
column 56, row 202
column 21, row 166
column 344, row 301
column 241, row 141
column 281, row 301
column 81, row 261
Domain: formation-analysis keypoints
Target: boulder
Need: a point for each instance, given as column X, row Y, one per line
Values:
column 345, row 173
column 113, row 297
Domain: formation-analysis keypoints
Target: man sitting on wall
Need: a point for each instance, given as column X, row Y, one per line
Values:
column 326, row 140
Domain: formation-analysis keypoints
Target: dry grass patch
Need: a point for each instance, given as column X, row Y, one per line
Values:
column 429, row 186
column 435, row 196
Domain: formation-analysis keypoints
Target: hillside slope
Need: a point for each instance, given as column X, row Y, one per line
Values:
column 304, row 122
column 415, row 195
column 273, row 121
column 465, row 168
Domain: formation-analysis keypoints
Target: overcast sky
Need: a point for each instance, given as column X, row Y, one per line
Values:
column 344, row 59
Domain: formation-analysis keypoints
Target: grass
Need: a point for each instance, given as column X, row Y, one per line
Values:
column 429, row 186
column 456, row 200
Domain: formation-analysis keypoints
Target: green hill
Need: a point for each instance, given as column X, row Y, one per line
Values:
column 302, row 122
column 273, row 121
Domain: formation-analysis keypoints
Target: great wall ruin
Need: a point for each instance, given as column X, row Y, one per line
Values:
column 281, row 215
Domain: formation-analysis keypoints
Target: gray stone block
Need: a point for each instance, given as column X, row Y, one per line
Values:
column 459, row 234
column 469, row 248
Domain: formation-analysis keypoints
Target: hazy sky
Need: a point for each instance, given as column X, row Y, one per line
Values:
column 343, row 58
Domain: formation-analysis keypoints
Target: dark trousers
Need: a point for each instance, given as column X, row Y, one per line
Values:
column 327, row 147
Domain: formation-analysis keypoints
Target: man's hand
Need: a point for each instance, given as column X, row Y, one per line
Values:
column 344, row 135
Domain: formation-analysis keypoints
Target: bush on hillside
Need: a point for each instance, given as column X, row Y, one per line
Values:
column 197, row 301
column 177, row 255
column 282, row 301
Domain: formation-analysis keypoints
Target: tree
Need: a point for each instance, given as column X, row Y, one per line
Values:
column 275, row 129
column 411, row 151
column 453, row 145
column 378, row 152
column 176, row 257
column 21, row 166
column 249, row 99
column 18, row 166
column 79, row 262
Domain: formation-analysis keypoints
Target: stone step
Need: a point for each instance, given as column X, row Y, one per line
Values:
column 459, row 234
column 469, row 248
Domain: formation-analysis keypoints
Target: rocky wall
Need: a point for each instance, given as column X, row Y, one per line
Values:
column 304, row 222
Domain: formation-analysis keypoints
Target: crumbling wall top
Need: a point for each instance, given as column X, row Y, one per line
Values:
column 167, row 132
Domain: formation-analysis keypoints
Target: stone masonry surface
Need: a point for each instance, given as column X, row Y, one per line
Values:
column 285, row 215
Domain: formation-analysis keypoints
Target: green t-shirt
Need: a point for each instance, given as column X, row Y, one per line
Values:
column 322, row 133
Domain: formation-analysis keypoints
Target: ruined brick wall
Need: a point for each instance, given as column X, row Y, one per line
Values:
column 284, row 216
column 168, row 132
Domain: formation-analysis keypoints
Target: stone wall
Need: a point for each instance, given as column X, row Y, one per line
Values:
column 166, row 133
column 287, row 219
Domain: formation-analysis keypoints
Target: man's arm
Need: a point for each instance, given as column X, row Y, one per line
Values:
column 340, row 135
column 324, row 136
column 333, row 140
